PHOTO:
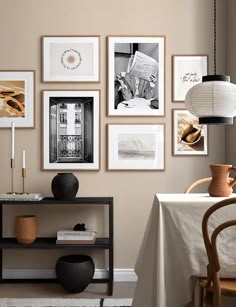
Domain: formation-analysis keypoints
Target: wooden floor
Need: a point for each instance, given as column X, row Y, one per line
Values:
column 16, row 290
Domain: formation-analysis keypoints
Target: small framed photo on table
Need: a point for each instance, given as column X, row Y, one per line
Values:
column 136, row 76
column 187, row 71
column 17, row 98
column 71, row 130
column 136, row 147
column 188, row 137
column 71, row 58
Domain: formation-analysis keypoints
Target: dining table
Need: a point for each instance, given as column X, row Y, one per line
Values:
column 172, row 252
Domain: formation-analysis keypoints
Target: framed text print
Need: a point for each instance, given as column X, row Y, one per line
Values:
column 136, row 76
column 187, row 71
column 188, row 137
column 136, row 147
column 71, row 130
column 71, row 58
column 17, row 98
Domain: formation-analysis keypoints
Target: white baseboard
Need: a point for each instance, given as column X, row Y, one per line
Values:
column 122, row 275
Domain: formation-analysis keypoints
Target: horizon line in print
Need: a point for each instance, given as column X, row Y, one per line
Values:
column 136, row 146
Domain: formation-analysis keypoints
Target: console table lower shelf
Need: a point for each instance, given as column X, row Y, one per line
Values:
column 105, row 243
column 50, row 243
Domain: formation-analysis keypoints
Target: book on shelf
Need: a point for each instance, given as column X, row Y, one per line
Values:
column 24, row 197
column 75, row 241
column 76, row 235
column 71, row 232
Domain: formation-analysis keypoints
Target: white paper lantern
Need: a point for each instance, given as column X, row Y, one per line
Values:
column 213, row 101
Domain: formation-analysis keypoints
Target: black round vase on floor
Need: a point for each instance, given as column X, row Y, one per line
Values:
column 75, row 272
column 65, row 186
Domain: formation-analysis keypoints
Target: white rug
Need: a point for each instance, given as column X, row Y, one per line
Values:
column 53, row 302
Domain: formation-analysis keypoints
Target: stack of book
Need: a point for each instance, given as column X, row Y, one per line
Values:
column 75, row 237
column 22, row 197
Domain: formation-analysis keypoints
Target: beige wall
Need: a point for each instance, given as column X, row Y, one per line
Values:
column 231, row 71
column 187, row 25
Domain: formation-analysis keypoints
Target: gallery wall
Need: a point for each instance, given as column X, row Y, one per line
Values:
column 188, row 28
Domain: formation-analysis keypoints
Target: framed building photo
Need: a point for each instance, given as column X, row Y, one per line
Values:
column 17, row 98
column 71, row 130
column 187, row 71
column 188, row 137
column 136, row 147
column 71, row 58
column 136, row 76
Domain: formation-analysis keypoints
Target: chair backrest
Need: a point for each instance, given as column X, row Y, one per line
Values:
column 197, row 182
column 213, row 266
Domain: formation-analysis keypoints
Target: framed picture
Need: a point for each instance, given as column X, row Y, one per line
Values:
column 71, row 130
column 71, row 58
column 188, row 137
column 17, row 98
column 136, row 147
column 187, row 71
column 136, row 76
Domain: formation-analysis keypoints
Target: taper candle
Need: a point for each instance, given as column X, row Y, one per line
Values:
column 12, row 141
column 23, row 159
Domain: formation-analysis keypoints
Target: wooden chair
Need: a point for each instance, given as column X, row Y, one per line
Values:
column 213, row 287
column 197, row 182
column 200, row 181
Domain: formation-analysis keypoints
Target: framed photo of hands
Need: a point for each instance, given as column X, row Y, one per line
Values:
column 136, row 76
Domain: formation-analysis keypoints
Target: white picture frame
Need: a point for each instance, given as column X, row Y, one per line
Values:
column 187, row 71
column 71, row 130
column 17, row 98
column 138, row 62
column 136, row 147
column 71, row 58
column 184, row 124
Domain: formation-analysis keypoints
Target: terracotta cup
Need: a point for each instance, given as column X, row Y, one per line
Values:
column 26, row 228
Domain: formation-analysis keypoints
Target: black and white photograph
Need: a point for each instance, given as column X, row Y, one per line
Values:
column 136, row 76
column 136, row 147
column 71, row 130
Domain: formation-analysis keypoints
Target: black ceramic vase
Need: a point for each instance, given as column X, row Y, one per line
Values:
column 75, row 272
column 65, row 186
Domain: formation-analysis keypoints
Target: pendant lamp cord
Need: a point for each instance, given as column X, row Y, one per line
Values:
column 215, row 37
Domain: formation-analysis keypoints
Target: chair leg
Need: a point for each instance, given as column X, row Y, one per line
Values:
column 209, row 299
column 201, row 296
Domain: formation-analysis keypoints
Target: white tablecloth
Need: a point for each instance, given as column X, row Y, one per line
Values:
column 173, row 250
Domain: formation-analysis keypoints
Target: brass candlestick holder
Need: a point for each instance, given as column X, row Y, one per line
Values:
column 12, row 176
column 23, row 181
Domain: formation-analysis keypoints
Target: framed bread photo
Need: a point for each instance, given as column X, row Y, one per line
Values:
column 71, row 58
column 17, row 98
column 71, row 130
column 136, row 76
column 188, row 137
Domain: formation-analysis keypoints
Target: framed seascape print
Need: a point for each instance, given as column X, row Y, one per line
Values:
column 17, row 98
column 71, row 58
column 136, row 76
column 71, row 130
column 188, row 137
column 136, row 147
column 187, row 71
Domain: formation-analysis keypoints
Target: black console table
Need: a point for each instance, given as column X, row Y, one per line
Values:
column 105, row 243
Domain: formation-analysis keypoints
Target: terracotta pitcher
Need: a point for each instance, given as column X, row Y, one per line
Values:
column 221, row 185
